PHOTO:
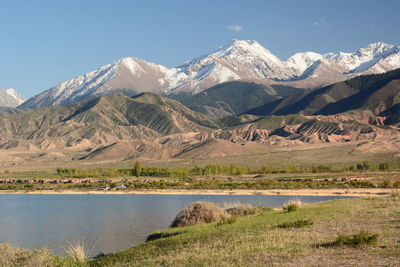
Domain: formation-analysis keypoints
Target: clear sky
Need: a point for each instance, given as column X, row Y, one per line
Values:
column 45, row 42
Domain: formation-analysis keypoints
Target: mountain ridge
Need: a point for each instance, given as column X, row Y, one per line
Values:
column 238, row 60
column 377, row 92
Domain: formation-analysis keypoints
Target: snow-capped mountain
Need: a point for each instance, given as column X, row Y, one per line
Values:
column 10, row 98
column 127, row 76
column 238, row 60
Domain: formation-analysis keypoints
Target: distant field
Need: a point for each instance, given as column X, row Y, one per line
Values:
column 307, row 155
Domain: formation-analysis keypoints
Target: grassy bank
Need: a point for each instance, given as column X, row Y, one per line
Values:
column 257, row 240
column 318, row 234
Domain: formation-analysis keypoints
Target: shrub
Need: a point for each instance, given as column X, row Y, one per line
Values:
column 292, row 205
column 295, row 224
column 198, row 213
column 12, row 256
column 241, row 210
column 362, row 238
column 155, row 236
column 263, row 208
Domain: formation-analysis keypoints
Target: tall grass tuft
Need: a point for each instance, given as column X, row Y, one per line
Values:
column 395, row 194
column 292, row 205
column 77, row 251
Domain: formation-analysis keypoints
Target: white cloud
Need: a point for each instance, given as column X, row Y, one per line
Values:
column 320, row 22
column 236, row 28
column 285, row 32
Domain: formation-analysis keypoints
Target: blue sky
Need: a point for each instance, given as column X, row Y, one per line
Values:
column 46, row 42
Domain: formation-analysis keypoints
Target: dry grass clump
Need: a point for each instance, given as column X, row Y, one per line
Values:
column 76, row 251
column 11, row 256
column 198, row 213
column 292, row 205
column 395, row 194
column 241, row 210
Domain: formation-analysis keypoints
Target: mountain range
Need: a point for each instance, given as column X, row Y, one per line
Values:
column 105, row 115
column 150, row 126
column 238, row 60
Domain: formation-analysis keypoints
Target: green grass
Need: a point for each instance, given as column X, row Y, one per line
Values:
column 360, row 239
column 296, row 224
column 255, row 240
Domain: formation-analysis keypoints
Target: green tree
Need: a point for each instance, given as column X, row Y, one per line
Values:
column 138, row 168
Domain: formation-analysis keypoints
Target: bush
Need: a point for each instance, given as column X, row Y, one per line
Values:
column 295, row 224
column 362, row 238
column 12, row 256
column 292, row 205
column 198, row 213
column 241, row 210
column 262, row 208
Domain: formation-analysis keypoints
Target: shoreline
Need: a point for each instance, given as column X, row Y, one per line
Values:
column 353, row 192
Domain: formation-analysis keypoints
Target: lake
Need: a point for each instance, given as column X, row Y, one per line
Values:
column 105, row 223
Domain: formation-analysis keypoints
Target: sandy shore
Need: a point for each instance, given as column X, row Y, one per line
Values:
column 356, row 192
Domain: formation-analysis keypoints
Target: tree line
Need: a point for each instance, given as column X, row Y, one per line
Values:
column 214, row 169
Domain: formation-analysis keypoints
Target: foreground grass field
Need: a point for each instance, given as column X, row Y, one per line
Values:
column 267, row 238
column 257, row 240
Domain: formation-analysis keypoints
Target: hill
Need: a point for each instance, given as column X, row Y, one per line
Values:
column 152, row 127
column 101, row 121
column 379, row 93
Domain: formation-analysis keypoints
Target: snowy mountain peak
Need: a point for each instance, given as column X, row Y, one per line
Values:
column 377, row 49
column 246, row 49
column 236, row 60
column 10, row 97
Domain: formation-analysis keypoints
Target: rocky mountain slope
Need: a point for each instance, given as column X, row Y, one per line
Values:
column 233, row 97
column 238, row 60
column 100, row 121
column 152, row 127
column 379, row 93
column 10, row 98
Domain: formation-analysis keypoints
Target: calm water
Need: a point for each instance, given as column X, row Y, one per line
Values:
column 108, row 223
